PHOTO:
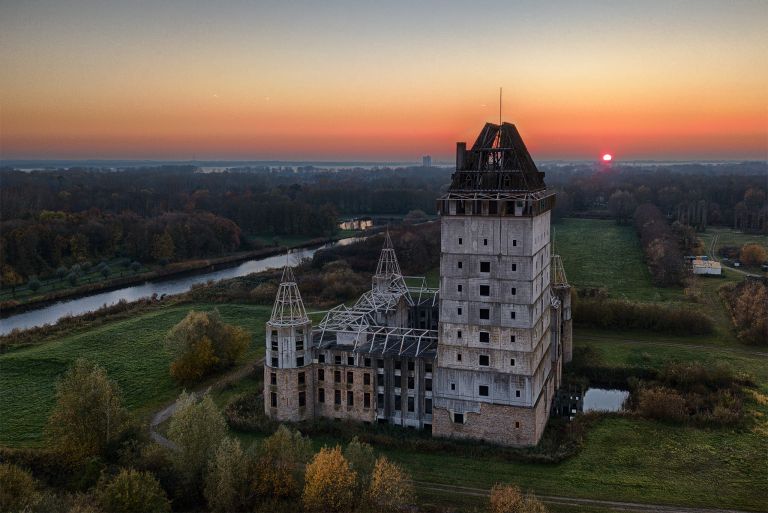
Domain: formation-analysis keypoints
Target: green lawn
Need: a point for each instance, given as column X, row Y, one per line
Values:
column 132, row 352
column 598, row 253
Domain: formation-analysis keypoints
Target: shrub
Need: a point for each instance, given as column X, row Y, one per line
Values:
column 132, row 491
column 202, row 344
column 748, row 306
column 625, row 315
column 753, row 254
column 509, row 499
column 662, row 403
column 34, row 284
column 18, row 489
column 330, row 483
column 88, row 415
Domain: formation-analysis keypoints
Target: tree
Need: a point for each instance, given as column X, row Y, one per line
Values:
column 225, row 481
column 622, row 205
column 362, row 460
column 72, row 279
column 509, row 499
column 88, row 415
column 329, row 482
column 202, row 344
column 415, row 216
column 18, row 489
column 278, row 464
column 34, row 284
column 753, row 254
column 163, row 247
column 391, row 488
column 10, row 278
column 132, row 491
column 135, row 266
column 197, row 428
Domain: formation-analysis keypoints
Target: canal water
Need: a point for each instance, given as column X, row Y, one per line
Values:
column 51, row 314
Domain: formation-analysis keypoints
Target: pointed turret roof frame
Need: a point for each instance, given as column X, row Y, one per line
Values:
column 288, row 309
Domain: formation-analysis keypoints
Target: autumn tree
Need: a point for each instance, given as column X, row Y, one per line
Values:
column 132, row 491
column 197, row 429
column 329, row 482
column 162, row 247
column 391, row 488
column 226, row 479
column 748, row 304
column 753, row 254
column 509, row 499
column 88, row 415
column 278, row 464
column 202, row 343
column 10, row 278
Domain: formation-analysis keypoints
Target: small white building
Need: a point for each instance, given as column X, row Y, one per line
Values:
column 706, row 267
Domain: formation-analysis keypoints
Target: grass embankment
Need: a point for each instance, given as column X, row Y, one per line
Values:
column 132, row 352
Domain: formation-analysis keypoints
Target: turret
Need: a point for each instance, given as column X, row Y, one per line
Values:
column 288, row 371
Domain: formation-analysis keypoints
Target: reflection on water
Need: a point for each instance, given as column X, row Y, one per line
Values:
column 575, row 400
column 52, row 313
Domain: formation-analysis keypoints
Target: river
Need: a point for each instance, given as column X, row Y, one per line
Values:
column 51, row 314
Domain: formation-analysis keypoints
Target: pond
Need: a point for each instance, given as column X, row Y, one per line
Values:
column 50, row 314
column 601, row 399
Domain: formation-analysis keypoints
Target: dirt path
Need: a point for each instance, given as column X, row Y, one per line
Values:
column 168, row 410
column 573, row 501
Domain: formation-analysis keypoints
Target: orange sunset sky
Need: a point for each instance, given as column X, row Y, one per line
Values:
column 381, row 81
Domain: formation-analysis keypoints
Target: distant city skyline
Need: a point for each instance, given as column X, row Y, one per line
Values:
column 389, row 81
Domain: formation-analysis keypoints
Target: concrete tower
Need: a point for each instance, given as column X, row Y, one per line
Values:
column 498, row 361
column 288, row 376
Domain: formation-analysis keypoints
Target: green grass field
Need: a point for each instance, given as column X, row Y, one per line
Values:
column 598, row 253
column 131, row 351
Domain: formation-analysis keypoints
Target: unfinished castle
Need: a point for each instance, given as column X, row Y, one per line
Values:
column 481, row 357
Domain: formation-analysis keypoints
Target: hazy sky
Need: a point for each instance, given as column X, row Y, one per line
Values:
column 384, row 80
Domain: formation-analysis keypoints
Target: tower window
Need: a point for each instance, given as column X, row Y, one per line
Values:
column 484, row 360
column 367, row 362
column 517, row 393
column 428, row 385
column 485, row 337
column 350, row 360
column 320, row 395
column 485, row 313
column 461, row 241
column 410, row 382
column 411, row 365
column 458, row 288
column 398, row 403
column 337, row 359
column 517, row 424
column 458, row 357
column 350, row 377
column 398, row 364
column 274, row 362
column 514, row 267
column 302, row 399
column 485, row 242
column 458, row 418
column 512, row 362
column 366, row 400
column 366, row 379
column 514, row 242
column 512, row 314
column 483, row 391
column 274, row 344
column 380, row 399
column 485, row 267
column 512, row 339
column 302, row 378
column 300, row 361
column 485, row 290
column 337, row 396
column 273, row 399
column 273, row 378
column 459, row 310
column 300, row 345
column 321, row 358
column 453, row 386
column 337, row 376
column 427, row 366
column 458, row 334
column 460, row 264
column 350, row 398
column 379, row 363
column 427, row 405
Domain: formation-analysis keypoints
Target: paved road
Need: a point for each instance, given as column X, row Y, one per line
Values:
column 573, row 501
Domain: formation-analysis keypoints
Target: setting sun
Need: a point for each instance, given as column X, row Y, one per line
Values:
column 607, row 157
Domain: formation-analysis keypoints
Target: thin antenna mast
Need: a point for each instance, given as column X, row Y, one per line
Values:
column 499, row 106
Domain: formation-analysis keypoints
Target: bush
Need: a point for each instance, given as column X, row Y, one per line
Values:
column 747, row 303
column 202, row 344
column 132, row 491
column 18, row 489
column 34, row 284
column 509, row 499
column 753, row 254
column 625, row 315
column 661, row 403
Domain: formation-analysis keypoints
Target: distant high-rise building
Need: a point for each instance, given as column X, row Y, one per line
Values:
column 426, row 161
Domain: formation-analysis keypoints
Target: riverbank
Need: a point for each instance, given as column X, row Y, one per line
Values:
column 171, row 271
